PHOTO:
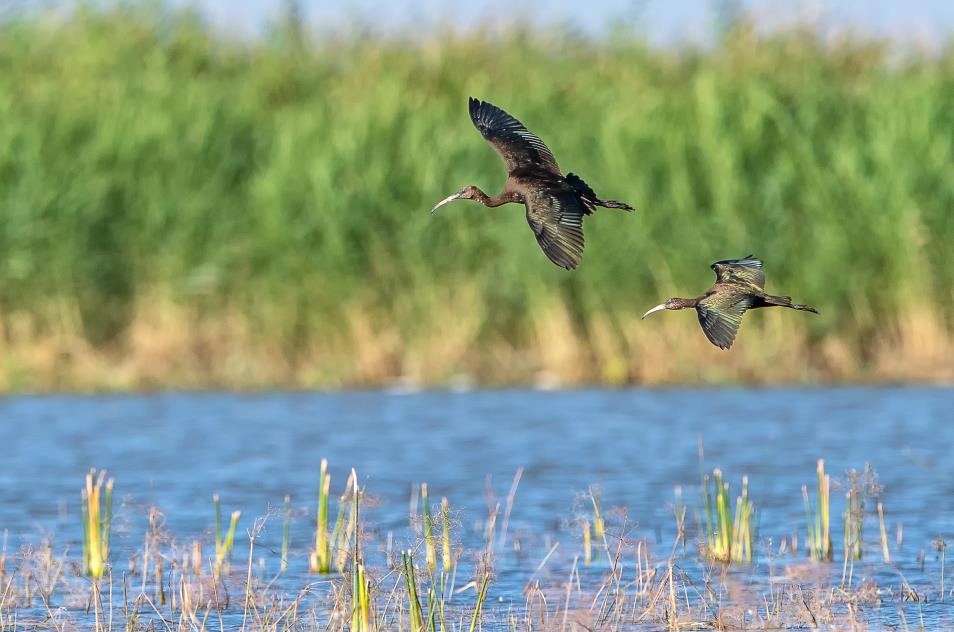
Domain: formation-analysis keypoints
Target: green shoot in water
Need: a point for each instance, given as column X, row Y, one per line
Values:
column 940, row 545
column 361, row 603
column 320, row 559
column 599, row 528
column 854, row 517
column 480, row 601
column 196, row 558
column 343, row 539
column 429, row 546
column 818, row 521
column 96, row 524
column 223, row 546
column 885, row 553
column 410, row 585
column 728, row 537
column 587, row 543
column 445, row 535
column 284, row 563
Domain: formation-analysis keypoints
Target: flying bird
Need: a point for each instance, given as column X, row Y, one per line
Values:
column 556, row 204
column 739, row 286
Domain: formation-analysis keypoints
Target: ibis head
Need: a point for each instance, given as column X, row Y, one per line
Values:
column 466, row 193
column 673, row 303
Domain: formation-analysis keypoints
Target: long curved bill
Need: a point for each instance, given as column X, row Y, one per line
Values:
column 449, row 198
column 655, row 309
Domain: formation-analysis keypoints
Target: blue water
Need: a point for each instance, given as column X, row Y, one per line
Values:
column 173, row 451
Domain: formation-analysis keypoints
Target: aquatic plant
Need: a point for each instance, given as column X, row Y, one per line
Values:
column 481, row 596
column 675, row 592
column 196, row 558
column 410, row 585
column 344, row 531
column 728, row 535
column 285, row 538
column 320, row 559
column 430, row 547
column 360, row 601
column 96, row 523
column 119, row 172
column 445, row 535
column 818, row 528
column 599, row 528
column 854, row 516
column 587, row 543
column 223, row 545
column 940, row 545
column 885, row 553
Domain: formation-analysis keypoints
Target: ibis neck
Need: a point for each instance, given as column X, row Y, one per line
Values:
column 493, row 201
column 683, row 303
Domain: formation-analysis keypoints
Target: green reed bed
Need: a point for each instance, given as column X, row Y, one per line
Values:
column 158, row 176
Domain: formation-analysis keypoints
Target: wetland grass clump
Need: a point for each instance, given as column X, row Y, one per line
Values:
column 97, row 519
column 445, row 535
column 320, row 559
column 481, row 596
column 415, row 613
column 728, row 536
column 885, row 553
column 430, row 547
column 361, row 617
column 587, row 543
column 343, row 531
column 940, row 545
column 817, row 519
column 286, row 520
column 223, row 545
column 599, row 527
column 859, row 487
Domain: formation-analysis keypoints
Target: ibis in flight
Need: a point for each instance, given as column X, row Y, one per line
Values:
column 556, row 204
column 739, row 286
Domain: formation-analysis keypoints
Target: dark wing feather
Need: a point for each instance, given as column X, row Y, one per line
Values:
column 720, row 315
column 745, row 270
column 556, row 218
column 519, row 148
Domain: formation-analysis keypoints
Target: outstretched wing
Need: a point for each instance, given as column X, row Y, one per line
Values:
column 518, row 147
column 745, row 270
column 556, row 218
column 720, row 315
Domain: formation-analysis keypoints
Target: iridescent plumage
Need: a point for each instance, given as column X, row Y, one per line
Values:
column 555, row 204
column 739, row 286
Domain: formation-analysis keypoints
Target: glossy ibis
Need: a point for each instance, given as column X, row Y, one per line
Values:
column 739, row 286
column 556, row 204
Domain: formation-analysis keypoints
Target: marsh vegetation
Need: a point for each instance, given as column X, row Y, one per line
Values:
column 183, row 208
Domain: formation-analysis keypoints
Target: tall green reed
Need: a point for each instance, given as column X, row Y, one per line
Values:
column 430, row 547
column 97, row 521
column 320, row 558
column 224, row 543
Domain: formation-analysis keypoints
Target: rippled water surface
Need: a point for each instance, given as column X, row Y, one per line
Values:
column 173, row 451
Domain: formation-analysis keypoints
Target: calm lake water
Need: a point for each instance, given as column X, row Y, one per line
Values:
column 173, row 451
